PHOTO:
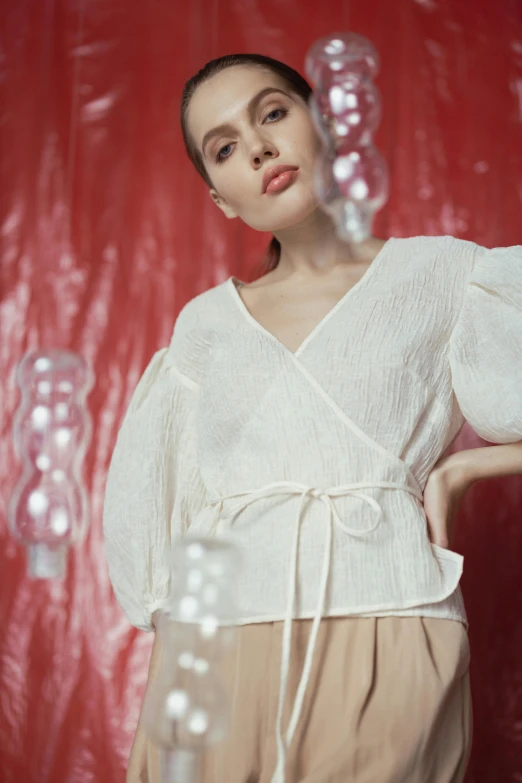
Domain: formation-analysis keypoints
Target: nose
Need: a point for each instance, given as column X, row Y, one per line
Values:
column 260, row 150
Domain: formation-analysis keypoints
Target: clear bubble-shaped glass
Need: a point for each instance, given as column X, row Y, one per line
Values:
column 49, row 509
column 351, row 177
column 186, row 708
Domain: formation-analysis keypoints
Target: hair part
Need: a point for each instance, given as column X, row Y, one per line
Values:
column 292, row 79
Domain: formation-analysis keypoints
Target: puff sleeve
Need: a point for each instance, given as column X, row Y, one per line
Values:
column 485, row 350
column 153, row 486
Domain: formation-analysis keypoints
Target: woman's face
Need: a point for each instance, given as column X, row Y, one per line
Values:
column 245, row 121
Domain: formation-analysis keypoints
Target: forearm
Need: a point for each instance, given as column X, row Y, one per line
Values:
column 453, row 475
column 489, row 461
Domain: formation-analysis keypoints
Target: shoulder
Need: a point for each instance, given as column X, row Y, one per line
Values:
column 199, row 310
column 463, row 258
column 193, row 334
column 448, row 261
column 444, row 247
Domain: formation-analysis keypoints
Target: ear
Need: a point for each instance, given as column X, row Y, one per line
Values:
column 222, row 204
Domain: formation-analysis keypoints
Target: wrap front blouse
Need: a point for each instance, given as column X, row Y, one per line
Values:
column 314, row 462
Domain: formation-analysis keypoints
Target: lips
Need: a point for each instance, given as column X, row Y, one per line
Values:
column 274, row 172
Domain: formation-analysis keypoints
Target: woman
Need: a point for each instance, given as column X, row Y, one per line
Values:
column 305, row 415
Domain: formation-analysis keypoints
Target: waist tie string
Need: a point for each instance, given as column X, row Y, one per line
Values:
column 325, row 495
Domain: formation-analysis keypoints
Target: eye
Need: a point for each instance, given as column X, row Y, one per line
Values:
column 274, row 111
column 281, row 112
column 220, row 156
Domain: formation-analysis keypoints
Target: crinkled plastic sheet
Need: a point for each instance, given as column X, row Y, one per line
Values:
column 106, row 232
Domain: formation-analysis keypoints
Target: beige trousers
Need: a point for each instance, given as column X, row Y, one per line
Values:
column 388, row 702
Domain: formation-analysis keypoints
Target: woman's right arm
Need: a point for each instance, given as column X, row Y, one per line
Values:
column 153, row 491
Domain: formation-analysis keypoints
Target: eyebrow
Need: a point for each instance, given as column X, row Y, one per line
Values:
column 251, row 107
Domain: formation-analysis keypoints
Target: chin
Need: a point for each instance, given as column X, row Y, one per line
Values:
column 288, row 212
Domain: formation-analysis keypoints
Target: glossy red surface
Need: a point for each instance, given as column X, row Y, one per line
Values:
column 106, row 231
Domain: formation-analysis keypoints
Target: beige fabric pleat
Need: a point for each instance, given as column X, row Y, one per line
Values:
column 388, row 702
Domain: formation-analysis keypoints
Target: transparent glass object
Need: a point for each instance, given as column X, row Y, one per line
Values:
column 186, row 708
column 351, row 177
column 49, row 510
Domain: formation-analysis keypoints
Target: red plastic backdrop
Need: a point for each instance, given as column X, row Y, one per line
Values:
column 107, row 232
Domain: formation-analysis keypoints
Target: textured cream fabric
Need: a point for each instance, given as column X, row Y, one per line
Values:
column 431, row 334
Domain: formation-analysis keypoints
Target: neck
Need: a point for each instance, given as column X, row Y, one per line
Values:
column 312, row 248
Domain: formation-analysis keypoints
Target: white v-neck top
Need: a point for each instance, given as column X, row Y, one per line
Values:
column 314, row 462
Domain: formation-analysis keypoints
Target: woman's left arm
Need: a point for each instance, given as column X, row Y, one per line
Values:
column 453, row 475
column 485, row 364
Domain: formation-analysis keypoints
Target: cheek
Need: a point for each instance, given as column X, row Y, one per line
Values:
column 303, row 137
column 313, row 142
column 234, row 184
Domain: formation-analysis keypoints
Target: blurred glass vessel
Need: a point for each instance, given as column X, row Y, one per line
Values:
column 49, row 508
column 351, row 178
column 186, row 708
